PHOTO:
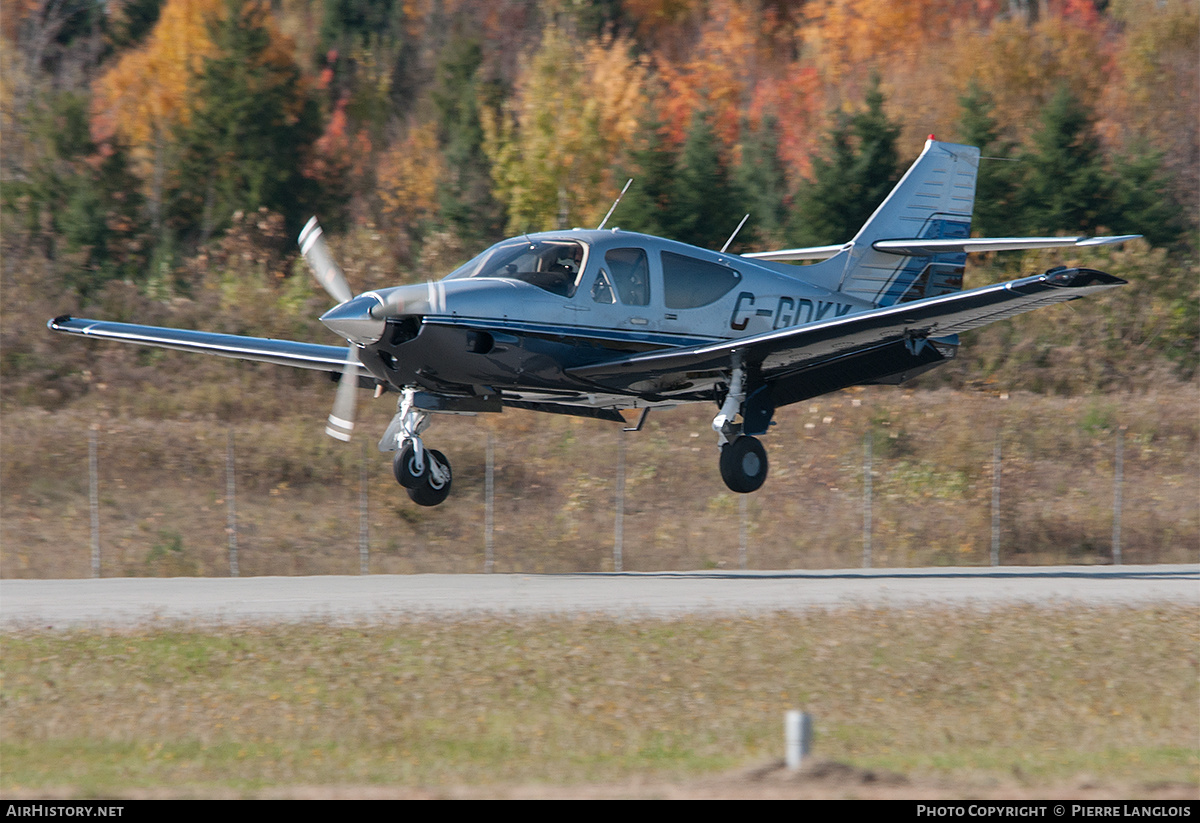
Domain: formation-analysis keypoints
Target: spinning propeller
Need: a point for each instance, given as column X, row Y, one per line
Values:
column 329, row 275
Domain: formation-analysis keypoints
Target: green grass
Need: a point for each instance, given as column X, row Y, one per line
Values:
column 1041, row 695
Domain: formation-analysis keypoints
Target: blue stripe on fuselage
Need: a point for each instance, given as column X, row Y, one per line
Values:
column 600, row 334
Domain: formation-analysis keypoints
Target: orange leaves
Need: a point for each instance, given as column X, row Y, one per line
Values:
column 339, row 159
column 795, row 100
column 146, row 93
column 408, row 175
column 575, row 102
column 551, row 147
column 718, row 76
column 1022, row 65
column 616, row 88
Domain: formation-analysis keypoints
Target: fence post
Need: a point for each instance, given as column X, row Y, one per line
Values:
column 996, row 501
column 489, row 496
column 364, row 536
column 229, row 497
column 868, row 444
column 94, row 499
column 1118, row 483
column 619, row 526
column 743, row 528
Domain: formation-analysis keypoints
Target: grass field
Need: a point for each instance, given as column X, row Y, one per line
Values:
column 1019, row 697
column 163, row 508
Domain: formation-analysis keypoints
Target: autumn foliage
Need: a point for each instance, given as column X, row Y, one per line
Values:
column 137, row 132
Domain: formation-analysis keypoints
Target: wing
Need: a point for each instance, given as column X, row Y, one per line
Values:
column 921, row 247
column 780, row 353
column 262, row 349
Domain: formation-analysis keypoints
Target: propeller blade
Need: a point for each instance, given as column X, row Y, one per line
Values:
column 341, row 419
column 327, row 272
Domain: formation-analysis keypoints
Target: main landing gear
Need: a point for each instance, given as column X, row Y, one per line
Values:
column 743, row 458
column 743, row 464
column 424, row 473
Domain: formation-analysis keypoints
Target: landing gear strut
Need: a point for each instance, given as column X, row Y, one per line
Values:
column 424, row 473
column 743, row 458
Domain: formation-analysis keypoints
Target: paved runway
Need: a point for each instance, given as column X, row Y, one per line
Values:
column 126, row 602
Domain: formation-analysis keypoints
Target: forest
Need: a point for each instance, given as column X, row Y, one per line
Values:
column 160, row 156
column 151, row 147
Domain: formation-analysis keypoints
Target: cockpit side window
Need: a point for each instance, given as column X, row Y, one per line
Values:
column 631, row 275
column 553, row 265
column 602, row 289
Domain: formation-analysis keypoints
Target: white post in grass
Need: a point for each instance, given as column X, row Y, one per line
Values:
column 797, row 732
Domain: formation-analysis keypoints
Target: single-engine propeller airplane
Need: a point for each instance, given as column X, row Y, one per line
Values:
column 592, row 322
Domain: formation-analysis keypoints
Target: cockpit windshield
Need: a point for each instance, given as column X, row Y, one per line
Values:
column 553, row 265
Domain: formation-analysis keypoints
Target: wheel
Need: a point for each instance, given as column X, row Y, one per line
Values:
column 743, row 464
column 404, row 467
column 437, row 483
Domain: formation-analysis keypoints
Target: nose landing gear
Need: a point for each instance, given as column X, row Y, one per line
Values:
column 424, row 473
column 426, row 480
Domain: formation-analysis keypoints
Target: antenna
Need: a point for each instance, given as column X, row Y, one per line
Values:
column 613, row 208
column 735, row 233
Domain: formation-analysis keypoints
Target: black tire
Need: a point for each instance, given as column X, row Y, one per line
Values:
column 405, row 471
column 427, row 494
column 744, row 465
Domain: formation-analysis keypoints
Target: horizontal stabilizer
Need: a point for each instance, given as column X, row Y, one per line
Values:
column 807, row 253
column 923, row 247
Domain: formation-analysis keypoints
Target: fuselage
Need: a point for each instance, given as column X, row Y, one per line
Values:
column 517, row 315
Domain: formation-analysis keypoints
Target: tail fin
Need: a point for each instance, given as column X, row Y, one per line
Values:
column 933, row 200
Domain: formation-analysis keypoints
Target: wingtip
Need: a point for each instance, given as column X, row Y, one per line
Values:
column 1107, row 241
column 1082, row 278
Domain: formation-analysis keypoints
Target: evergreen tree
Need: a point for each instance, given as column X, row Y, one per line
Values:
column 1142, row 204
column 103, row 219
column 704, row 204
column 762, row 180
column 81, row 204
column 996, row 183
column 652, row 167
column 1065, row 186
column 467, row 205
column 347, row 23
column 129, row 23
column 250, row 130
column 853, row 177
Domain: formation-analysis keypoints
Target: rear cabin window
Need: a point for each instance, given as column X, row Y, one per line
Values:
column 689, row 283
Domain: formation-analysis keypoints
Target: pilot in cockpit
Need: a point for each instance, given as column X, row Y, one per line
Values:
column 563, row 266
column 567, row 260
